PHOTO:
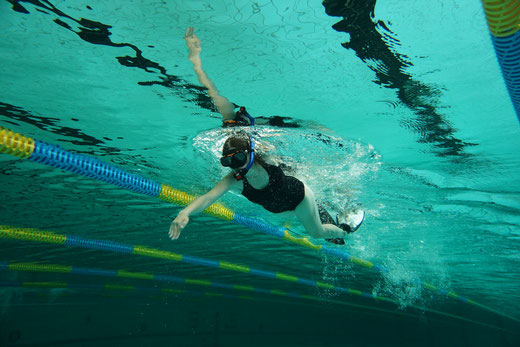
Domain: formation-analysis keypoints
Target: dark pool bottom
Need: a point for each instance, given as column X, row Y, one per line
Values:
column 87, row 320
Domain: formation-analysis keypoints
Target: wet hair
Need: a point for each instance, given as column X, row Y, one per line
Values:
column 234, row 143
column 240, row 143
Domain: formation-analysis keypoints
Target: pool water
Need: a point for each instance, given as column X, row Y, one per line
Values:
column 400, row 107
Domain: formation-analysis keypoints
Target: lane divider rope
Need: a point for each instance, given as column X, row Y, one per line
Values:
column 35, row 235
column 503, row 18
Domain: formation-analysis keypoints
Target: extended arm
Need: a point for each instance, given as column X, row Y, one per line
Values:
column 224, row 106
column 200, row 204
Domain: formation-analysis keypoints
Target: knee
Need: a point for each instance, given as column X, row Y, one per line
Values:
column 316, row 233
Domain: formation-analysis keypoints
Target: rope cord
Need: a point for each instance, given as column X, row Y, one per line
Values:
column 35, row 235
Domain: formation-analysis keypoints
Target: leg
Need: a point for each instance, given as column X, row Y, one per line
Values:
column 307, row 214
column 325, row 216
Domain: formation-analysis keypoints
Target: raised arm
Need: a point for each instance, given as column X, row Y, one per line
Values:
column 224, row 106
column 200, row 204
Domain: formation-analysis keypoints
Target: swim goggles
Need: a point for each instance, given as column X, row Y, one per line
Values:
column 234, row 160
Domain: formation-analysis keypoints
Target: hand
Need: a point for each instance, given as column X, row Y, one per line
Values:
column 193, row 42
column 177, row 225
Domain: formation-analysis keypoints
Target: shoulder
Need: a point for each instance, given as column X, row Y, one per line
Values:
column 271, row 167
column 226, row 184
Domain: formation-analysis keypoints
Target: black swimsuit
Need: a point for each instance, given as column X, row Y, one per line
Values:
column 282, row 193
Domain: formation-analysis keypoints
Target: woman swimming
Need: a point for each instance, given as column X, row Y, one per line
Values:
column 266, row 185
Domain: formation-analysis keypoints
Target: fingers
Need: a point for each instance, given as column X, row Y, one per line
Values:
column 189, row 32
column 174, row 232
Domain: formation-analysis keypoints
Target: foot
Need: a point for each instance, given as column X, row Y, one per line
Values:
column 351, row 219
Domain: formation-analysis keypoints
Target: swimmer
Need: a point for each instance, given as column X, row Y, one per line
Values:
column 268, row 186
column 224, row 106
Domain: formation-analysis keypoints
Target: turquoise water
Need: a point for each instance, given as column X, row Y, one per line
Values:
column 411, row 118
